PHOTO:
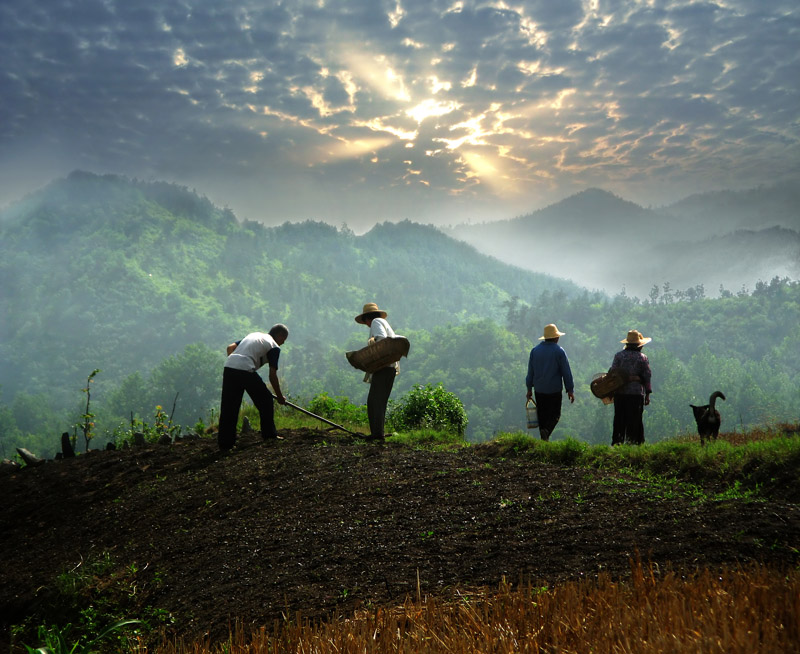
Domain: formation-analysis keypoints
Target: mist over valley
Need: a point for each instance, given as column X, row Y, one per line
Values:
column 727, row 240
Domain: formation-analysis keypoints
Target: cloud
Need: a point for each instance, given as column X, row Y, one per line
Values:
column 439, row 109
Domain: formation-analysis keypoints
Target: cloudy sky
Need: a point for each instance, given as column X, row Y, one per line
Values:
column 359, row 111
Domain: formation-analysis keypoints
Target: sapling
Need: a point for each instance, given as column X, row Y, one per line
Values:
column 87, row 417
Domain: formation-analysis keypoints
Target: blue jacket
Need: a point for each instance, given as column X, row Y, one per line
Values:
column 547, row 367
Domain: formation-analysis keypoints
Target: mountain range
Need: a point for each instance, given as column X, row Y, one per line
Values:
column 724, row 240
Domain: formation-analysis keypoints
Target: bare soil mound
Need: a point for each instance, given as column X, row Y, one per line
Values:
column 320, row 524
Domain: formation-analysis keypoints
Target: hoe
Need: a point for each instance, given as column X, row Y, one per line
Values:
column 325, row 420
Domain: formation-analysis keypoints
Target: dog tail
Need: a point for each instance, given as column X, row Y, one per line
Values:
column 713, row 399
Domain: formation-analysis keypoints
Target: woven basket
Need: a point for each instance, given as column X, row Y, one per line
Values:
column 380, row 354
column 605, row 384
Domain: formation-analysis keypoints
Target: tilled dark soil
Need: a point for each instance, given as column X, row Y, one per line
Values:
column 321, row 524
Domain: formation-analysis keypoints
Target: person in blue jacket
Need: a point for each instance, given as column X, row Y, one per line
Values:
column 548, row 372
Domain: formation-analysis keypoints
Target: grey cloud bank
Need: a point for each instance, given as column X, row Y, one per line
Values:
column 359, row 111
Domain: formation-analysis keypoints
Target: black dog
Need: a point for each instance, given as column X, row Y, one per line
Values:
column 708, row 418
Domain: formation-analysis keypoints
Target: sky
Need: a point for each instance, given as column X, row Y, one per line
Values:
column 441, row 112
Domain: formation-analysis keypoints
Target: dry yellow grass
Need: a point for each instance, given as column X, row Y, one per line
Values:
column 749, row 611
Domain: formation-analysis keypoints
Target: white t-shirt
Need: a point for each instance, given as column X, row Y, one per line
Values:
column 253, row 351
column 380, row 329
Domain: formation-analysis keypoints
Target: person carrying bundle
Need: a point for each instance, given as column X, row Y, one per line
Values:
column 630, row 399
column 380, row 381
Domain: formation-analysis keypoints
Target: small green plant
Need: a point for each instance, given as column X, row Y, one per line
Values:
column 86, row 613
column 162, row 425
column 55, row 640
column 736, row 492
column 429, row 407
column 87, row 419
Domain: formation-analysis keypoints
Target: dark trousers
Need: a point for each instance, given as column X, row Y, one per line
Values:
column 380, row 388
column 548, row 408
column 234, row 384
column 628, row 424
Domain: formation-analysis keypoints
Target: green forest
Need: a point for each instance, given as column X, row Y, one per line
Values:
column 147, row 282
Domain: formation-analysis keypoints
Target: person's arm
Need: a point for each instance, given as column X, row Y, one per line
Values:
column 230, row 349
column 644, row 377
column 566, row 375
column 272, row 360
column 276, row 385
column 529, row 378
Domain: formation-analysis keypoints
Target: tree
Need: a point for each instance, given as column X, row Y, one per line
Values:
column 194, row 376
column 130, row 398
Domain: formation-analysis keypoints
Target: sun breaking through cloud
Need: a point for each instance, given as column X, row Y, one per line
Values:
column 493, row 103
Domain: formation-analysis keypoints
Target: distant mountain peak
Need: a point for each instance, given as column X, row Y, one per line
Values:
column 595, row 199
column 594, row 192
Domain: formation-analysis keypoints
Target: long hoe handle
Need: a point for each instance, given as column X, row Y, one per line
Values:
column 314, row 415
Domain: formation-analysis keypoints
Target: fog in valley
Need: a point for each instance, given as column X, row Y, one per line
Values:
column 714, row 243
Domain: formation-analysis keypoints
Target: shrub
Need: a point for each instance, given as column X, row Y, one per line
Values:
column 337, row 409
column 429, row 407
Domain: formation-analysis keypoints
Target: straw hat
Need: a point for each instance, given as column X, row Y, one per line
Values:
column 550, row 331
column 369, row 307
column 635, row 338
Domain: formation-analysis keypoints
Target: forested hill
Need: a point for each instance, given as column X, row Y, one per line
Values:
column 110, row 273
column 149, row 282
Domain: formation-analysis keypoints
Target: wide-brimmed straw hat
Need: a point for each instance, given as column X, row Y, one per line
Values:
column 369, row 307
column 550, row 331
column 635, row 338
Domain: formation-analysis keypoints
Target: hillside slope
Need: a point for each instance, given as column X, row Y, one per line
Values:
column 321, row 524
column 110, row 273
